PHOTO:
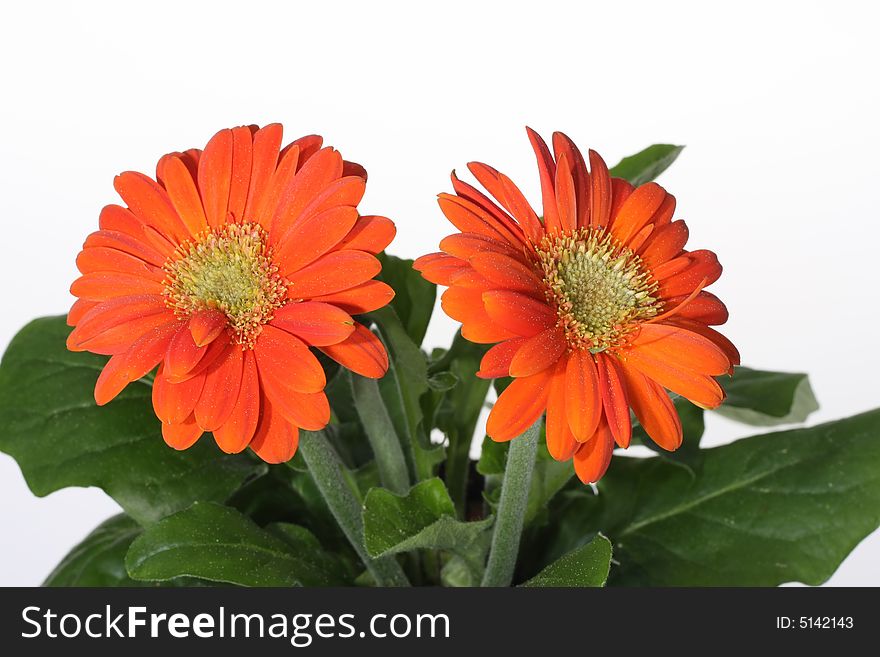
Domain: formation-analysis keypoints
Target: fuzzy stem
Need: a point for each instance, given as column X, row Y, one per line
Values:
column 326, row 469
column 512, row 508
column 390, row 459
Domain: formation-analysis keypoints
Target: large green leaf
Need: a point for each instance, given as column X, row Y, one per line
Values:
column 587, row 565
column 767, row 398
column 50, row 424
column 99, row 559
column 646, row 165
column 424, row 518
column 217, row 543
column 413, row 295
column 761, row 511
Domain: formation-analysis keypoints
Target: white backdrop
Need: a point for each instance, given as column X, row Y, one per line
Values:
column 778, row 104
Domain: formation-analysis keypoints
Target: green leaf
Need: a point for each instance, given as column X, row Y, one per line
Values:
column 767, row 398
column 587, row 565
column 646, row 165
column 99, row 559
column 424, row 518
column 774, row 508
column 220, row 544
column 50, row 424
column 414, row 296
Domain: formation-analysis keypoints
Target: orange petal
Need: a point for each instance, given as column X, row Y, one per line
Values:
column 620, row 191
column 134, row 245
column 240, row 174
column 516, row 203
column 519, row 406
column 704, row 265
column 592, row 459
column 183, row 354
column 275, row 440
column 236, row 432
column 566, row 199
column 318, row 172
column 94, row 259
column 653, row 408
column 370, row 233
column 482, row 201
column 311, row 237
column 439, row 268
column 721, row 341
column 115, row 218
column 174, row 402
column 637, row 211
column 547, row 173
column 78, row 310
column 469, row 217
column 560, row 440
column 183, row 194
column 206, row 357
column 362, row 352
column 279, row 183
column 678, row 347
column 105, row 315
column 183, row 435
column 614, row 401
column 563, row 146
column 333, row 272
column 317, row 324
column 206, row 325
column 583, row 402
column 142, row 356
column 465, row 245
column 538, row 352
column 518, row 313
column 507, row 273
column 264, row 158
column 281, row 354
column 215, row 175
column 348, row 190
column 310, row 411
column 362, row 298
column 496, row 362
column 102, row 285
column 222, row 383
column 705, row 308
column 600, row 191
column 150, row 202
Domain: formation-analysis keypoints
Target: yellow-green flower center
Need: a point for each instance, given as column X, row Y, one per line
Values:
column 228, row 269
column 600, row 288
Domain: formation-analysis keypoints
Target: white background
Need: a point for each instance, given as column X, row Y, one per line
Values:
column 777, row 102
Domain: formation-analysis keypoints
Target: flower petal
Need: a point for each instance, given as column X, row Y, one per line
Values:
column 280, row 354
column 317, row 324
column 583, row 402
column 236, row 432
column 538, row 352
column 592, row 459
column 333, row 272
column 560, row 440
column 222, row 383
column 614, row 400
column 496, row 362
column 183, row 435
column 518, row 313
column 311, row 237
column 519, row 406
column 215, row 175
column 362, row 298
column 653, row 408
column 362, row 352
column 276, row 439
column 370, row 233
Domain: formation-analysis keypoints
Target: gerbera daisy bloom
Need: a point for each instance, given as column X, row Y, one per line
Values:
column 597, row 308
column 225, row 272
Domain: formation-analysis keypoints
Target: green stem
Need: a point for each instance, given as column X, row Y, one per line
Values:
column 390, row 459
column 326, row 469
column 512, row 508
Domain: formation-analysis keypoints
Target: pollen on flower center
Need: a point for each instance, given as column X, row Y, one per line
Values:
column 228, row 269
column 600, row 288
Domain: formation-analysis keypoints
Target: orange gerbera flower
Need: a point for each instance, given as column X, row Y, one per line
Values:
column 225, row 273
column 596, row 308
